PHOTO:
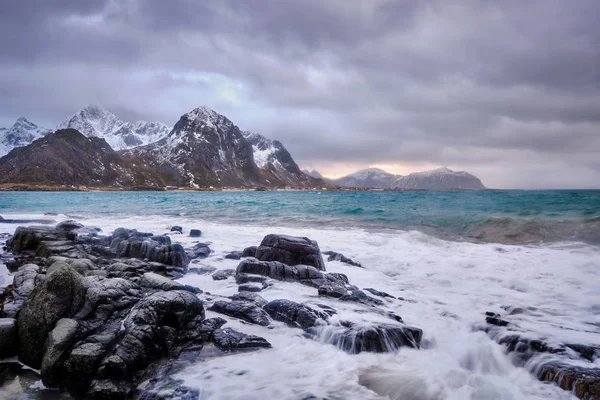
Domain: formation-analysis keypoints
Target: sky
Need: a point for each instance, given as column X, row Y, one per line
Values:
column 507, row 90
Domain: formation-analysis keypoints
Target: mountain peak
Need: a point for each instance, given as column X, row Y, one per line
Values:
column 206, row 114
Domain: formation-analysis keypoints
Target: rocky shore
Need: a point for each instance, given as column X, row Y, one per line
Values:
column 101, row 316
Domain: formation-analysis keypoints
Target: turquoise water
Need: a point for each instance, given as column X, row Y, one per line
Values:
column 485, row 216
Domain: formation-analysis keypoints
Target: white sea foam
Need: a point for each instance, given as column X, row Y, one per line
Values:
column 446, row 286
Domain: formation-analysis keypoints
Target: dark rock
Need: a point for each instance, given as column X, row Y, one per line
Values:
column 29, row 238
column 582, row 382
column 304, row 274
column 195, row 233
column 9, row 339
column 162, row 239
column 379, row 293
column 59, row 296
column 249, row 251
column 234, row 255
column 333, row 256
column 249, row 278
column 223, row 274
column 294, row 314
column 249, row 296
column 360, row 297
column 154, row 281
column 250, row 287
column 59, row 343
column 68, row 226
column 290, row 250
column 377, row 339
column 590, row 353
column 496, row 321
column 243, row 310
column 229, row 340
column 177, row 228
column 24, row 279
column 331, row 289
column 200, row 250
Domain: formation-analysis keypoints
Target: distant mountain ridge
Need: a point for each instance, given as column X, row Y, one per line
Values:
column 22, row 133
column 67, row 157
column 436, row 179
column 96, row 121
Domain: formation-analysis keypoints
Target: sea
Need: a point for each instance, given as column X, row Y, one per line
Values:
column 448, row 256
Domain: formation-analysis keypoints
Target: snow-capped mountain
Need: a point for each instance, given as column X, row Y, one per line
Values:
column 272, row 158
column 314, row 173
column 22, row 133
column 440, row 178
column 367, row 178
column 206, row 149
column 95, row 121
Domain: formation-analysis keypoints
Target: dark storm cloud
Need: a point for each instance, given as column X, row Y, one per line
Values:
column 498, row 88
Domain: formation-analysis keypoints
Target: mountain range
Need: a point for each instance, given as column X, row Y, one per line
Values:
column 93, row 147
column 437, row 179
column 204, row 148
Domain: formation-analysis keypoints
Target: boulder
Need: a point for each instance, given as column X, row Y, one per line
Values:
column 200, row 250
column 162, row 239
column 9, row 339
column 249, row 251
column 290, row 250
column 177, row 229
column 153, row 281
column 234, row 255
column 304, row 274
column 244, row 310
column 68, row 226
column 331, row 289
column 251, row 287
column 294, row 314
column 333, row 256
column 223, row 274
column 60, row 296
column 59, row 342
column 229, row 340
column 24, row 279
column 195, row 233
column 375, row 339
column 249, row 296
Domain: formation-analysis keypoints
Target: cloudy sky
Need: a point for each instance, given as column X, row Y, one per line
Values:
column 508, row 90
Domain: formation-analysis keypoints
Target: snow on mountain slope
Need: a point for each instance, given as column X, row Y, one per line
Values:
column 276, row 163
column 22, row 133
column 367, row 178
column 96, row 121
column 440, row 178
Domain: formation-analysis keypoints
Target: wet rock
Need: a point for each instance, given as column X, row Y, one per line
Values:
column 249, row 251
column 68, row 226
column 24, row 279
column 9, row 340
column 195, row 233
column 29, row 238
column 59, row 296
column 251, row 287
column 200, row 250
column 496, row 321
column 177, row 229
column 234, row 255
column 334, row 290
column 153, row 251
column 59, row 342
column 582, row 382
column 249, row 296
column 379, row 293
column 154, row 281
column 376, row 339
column 333, row 256
column 223, row 274
column 359, row 296
column 162, row 239
column 294, row 314
column 290, row 250
column 246, row 311
column 304, row 274
column 249, row 278
column 229, row 340
column 590, row 353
